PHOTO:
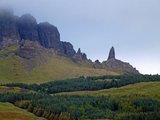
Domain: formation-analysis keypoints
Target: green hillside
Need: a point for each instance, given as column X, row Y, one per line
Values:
column 5, row 89
column 10, row 112
column 123, row 100
column 139, row 101
column 148, row 89
column 38, row 70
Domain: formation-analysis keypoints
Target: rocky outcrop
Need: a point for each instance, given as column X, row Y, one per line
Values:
column 30, row 49
column 27, row 27
column 68, row 49
column 79, row 56
column 97, row 62
column 111, row 54
column 33, row 54
column 15, row 29
column 49, row 37
column 119, row 66
column 116, row 65
column 8, row 28
column 36, row 40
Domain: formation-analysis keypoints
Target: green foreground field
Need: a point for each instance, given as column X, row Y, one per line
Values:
column 10, row 112
column 111, row 97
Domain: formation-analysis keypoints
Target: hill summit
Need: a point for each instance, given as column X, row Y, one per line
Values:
column 32, row 48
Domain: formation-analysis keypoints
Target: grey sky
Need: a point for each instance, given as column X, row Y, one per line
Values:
column 131, row 26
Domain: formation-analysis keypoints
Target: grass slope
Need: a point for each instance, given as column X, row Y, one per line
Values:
column 5, row 89
column 10, row 112
column 148, row 89
column 12, row 68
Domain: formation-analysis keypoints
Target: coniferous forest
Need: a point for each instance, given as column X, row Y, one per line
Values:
column 45, row 100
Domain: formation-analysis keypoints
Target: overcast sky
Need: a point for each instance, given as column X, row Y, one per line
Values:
column 131, row 26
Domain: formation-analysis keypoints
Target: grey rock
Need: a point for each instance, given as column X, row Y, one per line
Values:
column 26, row 53
column 27, row 27
column 17, row 29
column 84, row 56
column 49, row 37
column 120, row 66
column 80, row 56
column 28, row 49
column 8, row 25
column 111, row 54
column 97, row 62
column 68, row 49
column 79, row 51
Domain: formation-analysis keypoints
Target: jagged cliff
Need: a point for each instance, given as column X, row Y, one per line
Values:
column 34, row 50
column 15, row 29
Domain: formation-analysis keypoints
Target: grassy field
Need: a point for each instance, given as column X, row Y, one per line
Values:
column 140, row 101
column 125, row 96
column 15, row 69
column 149, row 89
column 10, row 112
column 4, row 89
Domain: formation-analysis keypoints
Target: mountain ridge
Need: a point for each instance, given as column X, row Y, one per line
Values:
column 34, row 44
column 27, row 28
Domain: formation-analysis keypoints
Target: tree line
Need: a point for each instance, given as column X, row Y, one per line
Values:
column 84, row 107
column 88, row 83
column 74, row 107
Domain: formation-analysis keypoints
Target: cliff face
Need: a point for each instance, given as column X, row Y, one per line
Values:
column 8, row 28
column 16, row 29
column 27, row 28
column 49, row 37
column 68, row 49
column 36, row 39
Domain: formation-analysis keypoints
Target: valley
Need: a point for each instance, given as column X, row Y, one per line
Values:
column 127, row 97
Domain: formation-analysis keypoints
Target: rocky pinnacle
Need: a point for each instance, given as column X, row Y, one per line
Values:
column 111, row 54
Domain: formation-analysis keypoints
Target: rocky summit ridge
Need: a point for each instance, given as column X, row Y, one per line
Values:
column 20, row 30
column 16, row 29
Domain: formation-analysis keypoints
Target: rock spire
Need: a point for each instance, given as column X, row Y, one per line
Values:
column 111, row 54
